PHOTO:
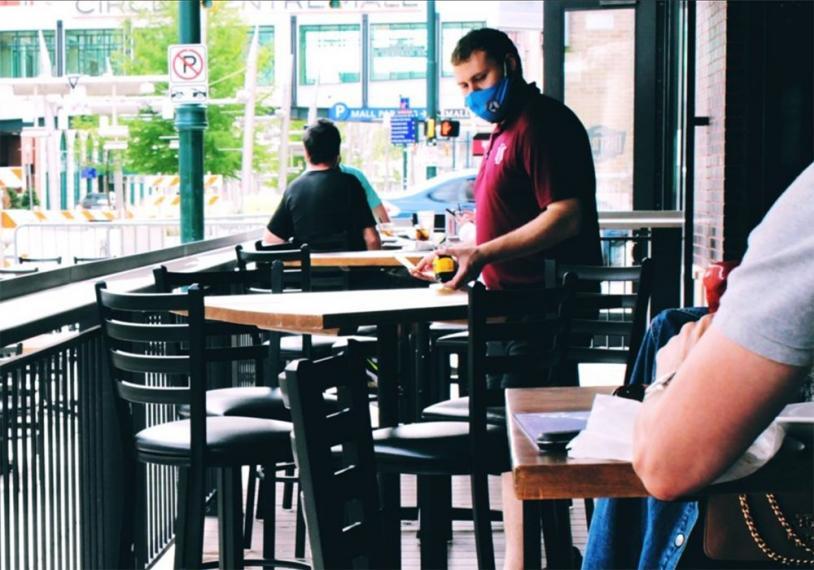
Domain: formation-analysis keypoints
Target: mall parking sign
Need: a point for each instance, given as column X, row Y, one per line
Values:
column 189, row 76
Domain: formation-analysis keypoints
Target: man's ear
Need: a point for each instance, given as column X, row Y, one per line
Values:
column 511, row 63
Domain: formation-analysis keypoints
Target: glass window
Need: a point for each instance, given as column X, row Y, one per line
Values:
column 398, row 51
column 87, row 51
column 20, row 53
column 451, row 32
column 599, row 82
column 330, row 54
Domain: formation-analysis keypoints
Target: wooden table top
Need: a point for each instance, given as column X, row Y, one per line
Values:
column 371, row 258
column 327, row 312
column 556, row 476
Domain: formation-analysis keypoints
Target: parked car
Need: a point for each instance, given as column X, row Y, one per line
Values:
column 98, row 200
column 436, row 194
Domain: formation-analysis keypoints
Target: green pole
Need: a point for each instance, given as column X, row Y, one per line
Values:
column 190, row 120
column 432, row 72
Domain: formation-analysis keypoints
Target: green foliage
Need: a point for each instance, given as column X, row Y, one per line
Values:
column 19, row 200
column 227, row 42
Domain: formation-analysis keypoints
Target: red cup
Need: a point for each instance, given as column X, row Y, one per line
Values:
column 715, row 282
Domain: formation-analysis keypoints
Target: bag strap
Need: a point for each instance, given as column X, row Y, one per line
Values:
column 784, row 523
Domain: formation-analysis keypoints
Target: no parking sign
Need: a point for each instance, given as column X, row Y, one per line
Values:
column 189, row 77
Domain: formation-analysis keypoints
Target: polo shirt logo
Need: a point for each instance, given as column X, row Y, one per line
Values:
column 501, row 150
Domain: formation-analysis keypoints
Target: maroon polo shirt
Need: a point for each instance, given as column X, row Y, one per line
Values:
column 538, row 155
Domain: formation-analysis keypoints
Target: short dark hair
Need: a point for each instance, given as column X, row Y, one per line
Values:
column 494, row 43
column 322, row 141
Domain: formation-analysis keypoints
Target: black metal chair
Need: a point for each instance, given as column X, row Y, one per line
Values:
column 157, row 357
column 435, row 451
column 341, row 497
column 619, row 313
column 612, row 335
column 261, row 396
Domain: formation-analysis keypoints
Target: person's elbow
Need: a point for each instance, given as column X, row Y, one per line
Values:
column 662, row 474
column 271, row 239
column 372, row 239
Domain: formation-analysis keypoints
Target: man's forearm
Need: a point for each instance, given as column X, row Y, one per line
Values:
column 553, row 226
column 270, row 238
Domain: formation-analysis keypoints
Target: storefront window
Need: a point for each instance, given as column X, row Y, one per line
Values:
column 20, row 53
column 87, row 51
column 330, row 54
column 398, row 51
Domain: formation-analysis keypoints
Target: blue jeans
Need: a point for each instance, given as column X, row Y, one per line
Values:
column 644, row 533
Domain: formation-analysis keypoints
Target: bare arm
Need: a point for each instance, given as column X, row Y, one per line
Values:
column 380, row 213
column 722, row 397
column 558, row 222
column 271, row 239
column 372, row 239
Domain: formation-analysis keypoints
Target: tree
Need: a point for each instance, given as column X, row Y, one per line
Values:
column 227, row 42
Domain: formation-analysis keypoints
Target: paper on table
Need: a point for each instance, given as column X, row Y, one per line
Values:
column 609, row 431
column 609, row 435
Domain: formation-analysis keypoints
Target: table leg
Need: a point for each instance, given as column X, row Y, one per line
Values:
column 557, row 534
column 532, row 554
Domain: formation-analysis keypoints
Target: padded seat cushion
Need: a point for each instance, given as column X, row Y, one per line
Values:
column 458, row 340
column 457, row 409
column 432, row 448
column 321, row 344
column 250, row 402
column 368, row 342
column 231, row 441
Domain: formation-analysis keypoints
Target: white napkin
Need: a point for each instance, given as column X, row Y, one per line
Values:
column 609, row 435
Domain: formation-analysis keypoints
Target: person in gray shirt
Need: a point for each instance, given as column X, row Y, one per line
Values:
column 754, row 354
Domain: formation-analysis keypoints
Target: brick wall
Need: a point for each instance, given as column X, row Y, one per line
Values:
column 711, row 96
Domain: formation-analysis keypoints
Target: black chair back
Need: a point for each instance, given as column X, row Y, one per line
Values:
column 619, row 308
column 18, row 270
column 156, row 350
column 340, row 497
column 296, row 276
column 539, row 317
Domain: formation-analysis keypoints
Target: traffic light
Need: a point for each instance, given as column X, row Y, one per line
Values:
column 429, row 130
column 449, row 128
column 334, row 4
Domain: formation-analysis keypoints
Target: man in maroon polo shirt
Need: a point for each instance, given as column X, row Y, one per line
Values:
column 535, row 193
column 535, row 197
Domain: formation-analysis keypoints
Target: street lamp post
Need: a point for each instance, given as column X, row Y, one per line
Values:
column 190, row 120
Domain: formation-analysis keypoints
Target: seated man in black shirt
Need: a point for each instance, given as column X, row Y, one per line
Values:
column 324, row 203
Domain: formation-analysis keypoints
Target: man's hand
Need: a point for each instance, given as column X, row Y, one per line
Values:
column 423, row 269
column 470, row 262
column 672, row 354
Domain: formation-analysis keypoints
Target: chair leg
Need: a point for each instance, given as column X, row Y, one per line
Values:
column 267, row 503
column 288, row 489
column 390, row 488
column 248, row 520
column 189, row 525
column 483, row 520
column 431, row 521
column 229, row 518
column 589, row 512
column 299, row 533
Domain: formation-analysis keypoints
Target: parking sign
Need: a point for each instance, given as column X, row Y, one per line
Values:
column 189, row 76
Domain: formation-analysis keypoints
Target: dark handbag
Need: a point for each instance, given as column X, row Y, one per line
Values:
column 761, row 527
